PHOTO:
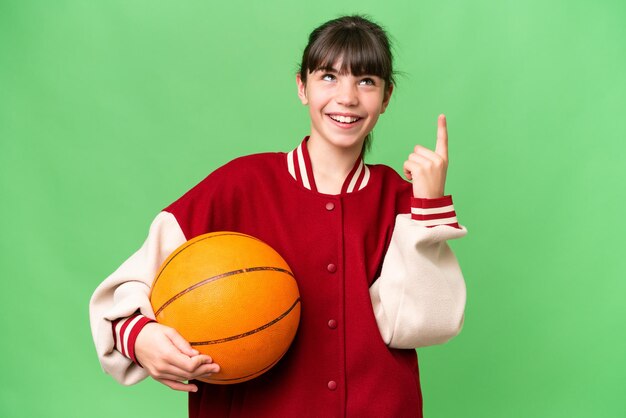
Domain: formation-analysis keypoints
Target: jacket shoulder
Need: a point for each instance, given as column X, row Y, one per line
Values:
column 388, row 176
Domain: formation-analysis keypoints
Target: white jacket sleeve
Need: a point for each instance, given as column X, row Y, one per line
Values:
column 126, row 291
column 419, row 298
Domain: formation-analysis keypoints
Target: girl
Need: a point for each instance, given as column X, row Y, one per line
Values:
column 368, row 249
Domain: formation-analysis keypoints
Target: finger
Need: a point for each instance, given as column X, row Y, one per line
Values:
column 178, row 376
column 412, row 169
column 407, row 168
column 204, row 364
column 429, row 159
column 418, row 165
column 181, row 386
column 427, row 154
column 205, row 371
column 442, row 137
column 181, row 343
column 187, row 372
column 172, row 373
column 190, row 364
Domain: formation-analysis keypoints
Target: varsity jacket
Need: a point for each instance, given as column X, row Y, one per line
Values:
column 376, row 278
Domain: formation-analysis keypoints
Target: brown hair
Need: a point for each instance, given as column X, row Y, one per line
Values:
column 362, row 46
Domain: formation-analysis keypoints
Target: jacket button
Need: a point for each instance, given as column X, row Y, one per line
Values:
column 332, row 385
column 330, row 206
column 332, row 324
column 331, row 268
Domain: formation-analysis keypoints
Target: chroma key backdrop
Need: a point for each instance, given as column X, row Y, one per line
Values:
column 110, row 110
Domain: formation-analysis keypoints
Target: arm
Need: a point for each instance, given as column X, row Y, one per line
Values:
column 419, row 298
column 126, row 292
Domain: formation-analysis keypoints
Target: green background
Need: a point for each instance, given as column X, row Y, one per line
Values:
column 109, row 110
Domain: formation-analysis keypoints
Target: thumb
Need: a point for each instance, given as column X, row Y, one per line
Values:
column 182, row 344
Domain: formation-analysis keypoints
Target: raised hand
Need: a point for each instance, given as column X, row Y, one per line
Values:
column 169, row 358
column 427, row 169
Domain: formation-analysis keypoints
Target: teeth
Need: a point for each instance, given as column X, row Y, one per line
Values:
column 343, row 119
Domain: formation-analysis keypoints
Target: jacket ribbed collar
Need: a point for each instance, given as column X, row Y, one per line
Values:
column 301, row 169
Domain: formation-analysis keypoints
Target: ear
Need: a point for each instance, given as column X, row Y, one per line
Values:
column 386, row 98
column 301, row 90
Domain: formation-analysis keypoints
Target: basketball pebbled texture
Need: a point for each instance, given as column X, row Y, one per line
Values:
column 233, row 298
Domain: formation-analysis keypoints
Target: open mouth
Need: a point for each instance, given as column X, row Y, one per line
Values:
column 348, row 120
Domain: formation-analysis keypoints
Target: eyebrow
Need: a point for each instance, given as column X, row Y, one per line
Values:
column 331, row 69
column 327, row 68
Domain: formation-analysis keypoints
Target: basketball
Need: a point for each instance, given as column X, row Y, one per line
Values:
column 233, row 298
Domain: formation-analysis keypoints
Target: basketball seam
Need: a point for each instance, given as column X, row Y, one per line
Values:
column 198, row 239
column 219, row 276
column 257, row 373
column 247, row 333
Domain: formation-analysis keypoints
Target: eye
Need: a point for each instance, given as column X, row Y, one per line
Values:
column 368, row 81
column 328, row 77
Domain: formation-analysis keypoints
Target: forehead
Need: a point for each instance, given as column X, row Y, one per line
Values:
column 349, row 50
column 337, row 67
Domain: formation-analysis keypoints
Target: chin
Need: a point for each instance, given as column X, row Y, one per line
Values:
column 347, row 142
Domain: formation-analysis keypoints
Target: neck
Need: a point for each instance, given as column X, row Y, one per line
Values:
column 331, row 165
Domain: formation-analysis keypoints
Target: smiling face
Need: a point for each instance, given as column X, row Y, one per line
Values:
column 343, row 108
column 337, row 50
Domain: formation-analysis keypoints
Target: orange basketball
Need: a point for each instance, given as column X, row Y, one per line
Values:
column 233, row 298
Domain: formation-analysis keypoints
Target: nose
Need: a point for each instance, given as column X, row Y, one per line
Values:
column 347, row 94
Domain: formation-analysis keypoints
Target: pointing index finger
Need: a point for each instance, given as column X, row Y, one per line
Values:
column 442, row 137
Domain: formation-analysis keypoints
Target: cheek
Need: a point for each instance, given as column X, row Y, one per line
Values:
column 374, row 120
column 317, row 99
column 375, row 108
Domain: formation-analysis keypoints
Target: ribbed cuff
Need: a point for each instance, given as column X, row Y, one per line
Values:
column 125, row 331
column 434, row 212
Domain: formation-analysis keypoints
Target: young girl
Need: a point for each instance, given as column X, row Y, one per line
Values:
column 368, row 250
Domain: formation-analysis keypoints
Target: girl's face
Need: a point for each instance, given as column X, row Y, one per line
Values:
column 343, row 108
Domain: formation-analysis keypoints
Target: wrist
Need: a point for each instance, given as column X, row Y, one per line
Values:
column 431, row 212
column 125, row 332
